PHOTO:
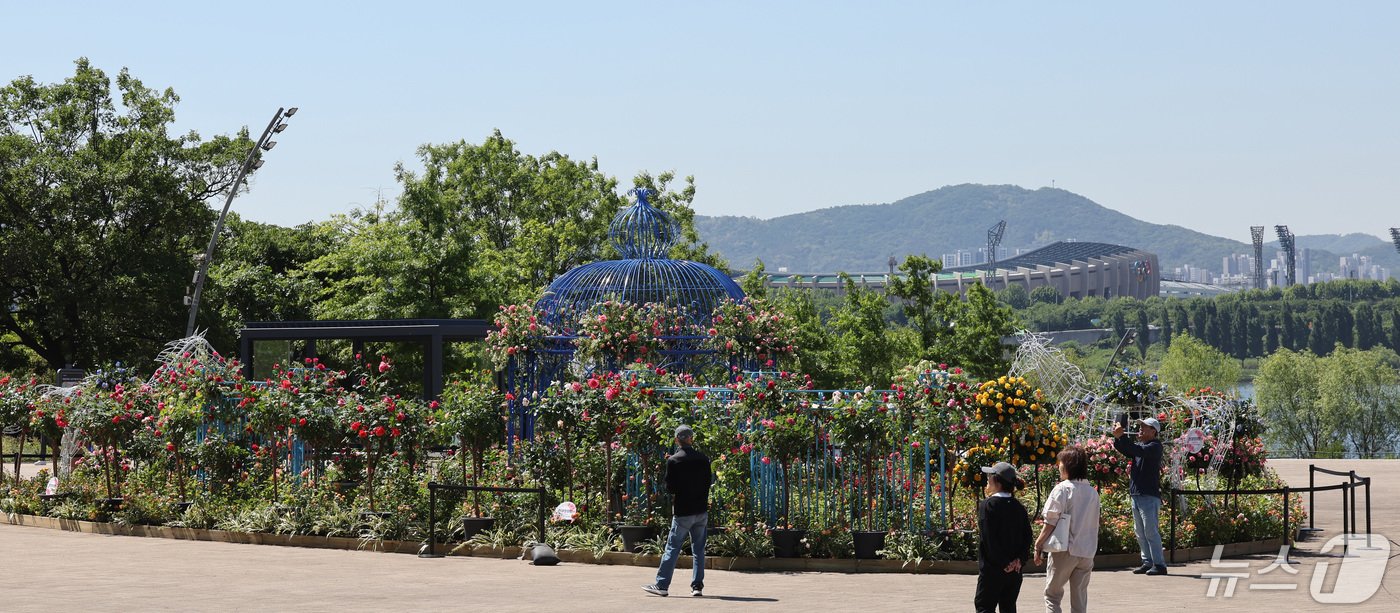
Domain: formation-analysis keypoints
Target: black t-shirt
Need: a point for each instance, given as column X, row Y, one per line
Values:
column 688, row 481
column 1003, row 533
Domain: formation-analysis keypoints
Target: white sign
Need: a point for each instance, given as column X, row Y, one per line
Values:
column 1193, row 440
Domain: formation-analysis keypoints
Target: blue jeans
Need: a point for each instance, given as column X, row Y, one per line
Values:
column 1145, row 526
column 694, row 527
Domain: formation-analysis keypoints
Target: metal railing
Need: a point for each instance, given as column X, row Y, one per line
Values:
column 434, row 486
column 1348, row 490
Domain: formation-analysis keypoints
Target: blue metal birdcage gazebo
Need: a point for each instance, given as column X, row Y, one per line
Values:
column 643, row 234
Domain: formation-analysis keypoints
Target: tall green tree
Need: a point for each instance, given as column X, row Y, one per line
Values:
column 928, row 310
column 816, row 355
column 1192, row 363
column 1395, row 330
column 1365, row 326
column 1144, row 332
column 1255, row 335
column 262, row 273
column 865, row 348
column 978, row 333
column 1288, row 335
column 1361, row 391
column 485, row 224
column 1286, row 389
column 1015, row 296
column 755, row 281
column 103, row 209
column 1271, row 336
column 1046, row 294
column 1166, row 327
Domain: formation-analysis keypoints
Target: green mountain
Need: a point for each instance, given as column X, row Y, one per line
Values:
column 862, row 238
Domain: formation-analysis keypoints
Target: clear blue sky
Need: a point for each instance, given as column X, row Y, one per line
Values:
column 1214, row 116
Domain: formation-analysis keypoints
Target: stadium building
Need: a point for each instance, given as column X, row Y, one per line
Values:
column 1076, row 269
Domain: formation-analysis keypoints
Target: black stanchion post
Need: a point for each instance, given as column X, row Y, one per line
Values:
column 1345, row 525
column 1351, row 474
column 432, row 522
column 540, row 495
column 1285, row 521
column 1312, row 507
column 1172, row 524
column 1367, row 482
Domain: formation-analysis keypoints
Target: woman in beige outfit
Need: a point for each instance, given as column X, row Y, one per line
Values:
column 1076, row 501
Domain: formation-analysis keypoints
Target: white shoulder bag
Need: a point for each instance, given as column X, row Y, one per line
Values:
column 1059, row 539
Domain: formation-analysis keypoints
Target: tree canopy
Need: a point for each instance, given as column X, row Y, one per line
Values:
column 102, row 210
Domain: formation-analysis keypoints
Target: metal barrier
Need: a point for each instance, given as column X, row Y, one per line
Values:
column 1348, row 503
column 434, row 486
column 1348, row 490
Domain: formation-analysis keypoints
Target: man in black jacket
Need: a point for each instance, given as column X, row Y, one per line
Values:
column 688, row 481
column 1003, row 541
column 1145, row 491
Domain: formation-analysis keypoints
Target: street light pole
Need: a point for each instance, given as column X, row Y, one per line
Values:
column 275, row 126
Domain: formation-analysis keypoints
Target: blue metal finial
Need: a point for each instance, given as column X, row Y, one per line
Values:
column 642, row 231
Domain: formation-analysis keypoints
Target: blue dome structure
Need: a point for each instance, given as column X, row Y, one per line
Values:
column 644, row 235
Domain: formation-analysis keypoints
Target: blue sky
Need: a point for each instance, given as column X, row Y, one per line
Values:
column 1190, row 113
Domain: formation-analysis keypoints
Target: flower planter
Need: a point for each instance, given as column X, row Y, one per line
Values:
column 472, row 526
column 634, row 536
column 868, row 543
column 788, row 543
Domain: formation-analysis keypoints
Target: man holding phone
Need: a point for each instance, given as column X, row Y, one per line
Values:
column 1145, row 490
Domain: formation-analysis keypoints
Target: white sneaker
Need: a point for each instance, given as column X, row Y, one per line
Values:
column 652, row 589
column 695, row 592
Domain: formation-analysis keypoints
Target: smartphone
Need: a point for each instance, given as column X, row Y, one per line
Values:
column 1123, row 419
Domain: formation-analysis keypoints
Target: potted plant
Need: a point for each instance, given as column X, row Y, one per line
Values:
column 860, row 426
column 272, row 411
column 377, row 419
column 783, row 431
column 943, row 400
column 110, row 407
column 639, row 521
column 472, row 411
column 187, row 390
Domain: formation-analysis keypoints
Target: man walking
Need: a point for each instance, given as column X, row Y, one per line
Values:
column 688, row 481
column 1145, row 490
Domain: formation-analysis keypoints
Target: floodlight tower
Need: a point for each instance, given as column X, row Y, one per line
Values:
column 1257, row 233
column 994, row 235
column 253, row 161
column 1285, row 242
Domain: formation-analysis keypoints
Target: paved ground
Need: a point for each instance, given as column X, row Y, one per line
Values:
column 47, row 570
